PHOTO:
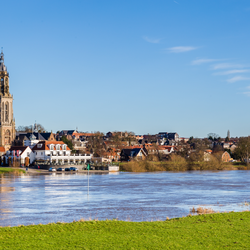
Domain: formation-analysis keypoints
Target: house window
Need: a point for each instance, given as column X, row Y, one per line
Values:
column 28, row 154
column 41, row 153
column 39, row 145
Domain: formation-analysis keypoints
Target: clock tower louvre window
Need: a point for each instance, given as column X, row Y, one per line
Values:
column 2, row 85
column 3, row 111
column 7, row 112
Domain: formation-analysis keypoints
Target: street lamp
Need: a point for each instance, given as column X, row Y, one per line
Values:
column 247, row 154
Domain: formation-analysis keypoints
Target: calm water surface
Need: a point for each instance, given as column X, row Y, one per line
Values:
column 126, row 196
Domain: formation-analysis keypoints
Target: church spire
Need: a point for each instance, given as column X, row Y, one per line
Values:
column 2, row 66
column 2, row 56
column 4, row 77
column 35, row 128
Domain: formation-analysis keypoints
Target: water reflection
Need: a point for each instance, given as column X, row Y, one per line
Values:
column 127, row 196
column 6, row 189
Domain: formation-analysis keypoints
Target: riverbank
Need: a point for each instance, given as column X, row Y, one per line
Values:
column 213, row 231
column 44, row 171
column 178, row 164
column 140, row 166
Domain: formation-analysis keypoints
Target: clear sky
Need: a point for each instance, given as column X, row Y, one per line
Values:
column 145, row 66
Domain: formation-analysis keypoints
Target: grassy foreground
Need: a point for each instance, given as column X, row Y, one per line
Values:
column 11, row 170
column 212, row 231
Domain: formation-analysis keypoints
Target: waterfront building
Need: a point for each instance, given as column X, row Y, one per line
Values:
column 20, row 153
column 7, row 122
column 57, row 152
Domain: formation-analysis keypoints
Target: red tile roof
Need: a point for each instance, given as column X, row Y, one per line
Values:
column 83, row 134
column 45, row 145
column 135, row 146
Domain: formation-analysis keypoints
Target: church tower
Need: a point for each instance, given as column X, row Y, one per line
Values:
column 7, row 122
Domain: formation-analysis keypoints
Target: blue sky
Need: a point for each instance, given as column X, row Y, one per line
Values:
column 145, row 66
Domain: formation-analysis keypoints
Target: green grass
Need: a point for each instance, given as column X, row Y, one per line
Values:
column 213, row 231
column 11, row 170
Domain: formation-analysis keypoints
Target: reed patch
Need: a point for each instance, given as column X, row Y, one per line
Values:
column 202, row 210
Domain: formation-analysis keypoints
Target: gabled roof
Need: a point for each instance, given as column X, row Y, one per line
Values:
column 168, row 148
column 45, row 135
column 38, row 136
column 133, row 152
column 67, row 132
column 70, row 132
column 132, row 147
column 21, row 148
column 45, row 145
column 208, row 151
column 83, row 134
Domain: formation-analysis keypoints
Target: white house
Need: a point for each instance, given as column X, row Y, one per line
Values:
column 166, row 149
column 31, row 142
column 57, row 152
column 20, row 152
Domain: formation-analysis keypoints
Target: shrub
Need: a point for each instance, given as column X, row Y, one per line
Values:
column 177, row 163
column 142, row 166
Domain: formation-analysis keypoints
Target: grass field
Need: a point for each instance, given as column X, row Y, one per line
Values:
column 211, row 231
column 11, row 170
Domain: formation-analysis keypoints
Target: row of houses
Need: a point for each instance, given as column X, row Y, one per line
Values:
column 116, row 146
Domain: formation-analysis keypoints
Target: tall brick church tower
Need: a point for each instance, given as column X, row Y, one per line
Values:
column 7, row 122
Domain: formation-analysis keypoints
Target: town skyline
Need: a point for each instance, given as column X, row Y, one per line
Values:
column 130, row 66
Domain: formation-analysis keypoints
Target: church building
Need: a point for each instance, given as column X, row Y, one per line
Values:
column 7, row 122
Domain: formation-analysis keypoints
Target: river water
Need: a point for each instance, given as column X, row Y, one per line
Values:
column 34, row 199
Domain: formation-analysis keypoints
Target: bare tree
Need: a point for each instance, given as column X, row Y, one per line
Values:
column 243, row 149
column 28, row 129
